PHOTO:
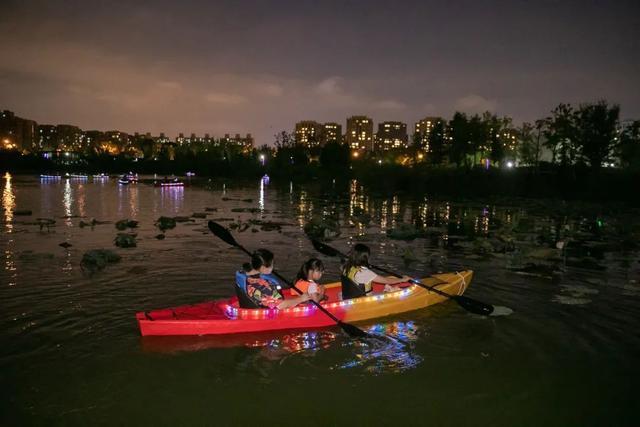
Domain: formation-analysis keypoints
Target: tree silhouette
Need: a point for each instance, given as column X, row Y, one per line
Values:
column 629, row 148
column 560, row 132
column 460, row 138
column 596, row 131
column 437, row 143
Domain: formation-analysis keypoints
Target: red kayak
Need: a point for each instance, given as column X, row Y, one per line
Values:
column 226, row 317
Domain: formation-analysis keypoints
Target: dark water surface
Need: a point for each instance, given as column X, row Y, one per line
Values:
column 561, row 349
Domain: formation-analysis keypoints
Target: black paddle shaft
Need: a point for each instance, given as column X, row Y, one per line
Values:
column 226, row 236
column 467, row 303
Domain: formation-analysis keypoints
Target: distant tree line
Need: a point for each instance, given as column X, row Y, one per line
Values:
column 589, row 135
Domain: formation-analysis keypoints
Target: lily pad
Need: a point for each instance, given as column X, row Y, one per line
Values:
column 97, row 259
column 322, row 228
column 125, row 240
column 165, row 223
column 123, row 224
column 404, row 232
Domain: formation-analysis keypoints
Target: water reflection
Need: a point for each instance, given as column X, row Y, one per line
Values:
column 171, row 200
column 128, row 199
column 394, row 354
column 261, row 196
column 8, row 205
column 305, row 209
column 67, row 202
column 389, row 351
column 81, row 200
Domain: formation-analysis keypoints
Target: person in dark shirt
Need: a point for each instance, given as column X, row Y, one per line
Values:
column 262, row 287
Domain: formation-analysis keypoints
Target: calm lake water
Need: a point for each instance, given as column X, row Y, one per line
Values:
column 561, row 349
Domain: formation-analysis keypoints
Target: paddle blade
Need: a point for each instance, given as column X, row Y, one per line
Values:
column 472, row 305
column 353, row 331
column 324, row 249
column 222, row 233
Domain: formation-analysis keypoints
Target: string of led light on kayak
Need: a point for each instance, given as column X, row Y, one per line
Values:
column 267, row 313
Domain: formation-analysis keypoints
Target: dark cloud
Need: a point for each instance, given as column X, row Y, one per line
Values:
column 259, row 67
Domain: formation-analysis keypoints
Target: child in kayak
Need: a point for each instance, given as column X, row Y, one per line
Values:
column 357, row 269
column 263, row 288
column 306, row 281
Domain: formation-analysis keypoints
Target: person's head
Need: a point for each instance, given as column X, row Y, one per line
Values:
column 311, row 270
column 359, row 255
column 262, row 261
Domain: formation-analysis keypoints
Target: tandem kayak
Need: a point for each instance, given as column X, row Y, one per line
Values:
column 226, row 317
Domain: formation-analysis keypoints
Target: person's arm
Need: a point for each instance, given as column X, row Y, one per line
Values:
column 291, row 302
column 316, row 296
column 391, row 280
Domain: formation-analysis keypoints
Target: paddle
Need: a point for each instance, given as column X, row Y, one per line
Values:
column 224, row 234
column 469, row 304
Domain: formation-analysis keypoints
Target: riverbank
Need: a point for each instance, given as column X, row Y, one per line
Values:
column 572, row 183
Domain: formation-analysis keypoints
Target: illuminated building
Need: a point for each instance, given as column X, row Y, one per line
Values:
column 308, row 133
column 17, row 133
column 423, row 130
column 162, row 139
column 246, row 143
column 391, row 135
column 60, row 138
column 360, row 133
column 331, row 132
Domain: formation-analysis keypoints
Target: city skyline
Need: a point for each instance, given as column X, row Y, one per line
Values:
column 261, row 67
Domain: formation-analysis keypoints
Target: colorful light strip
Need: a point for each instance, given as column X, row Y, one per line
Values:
column 307, row 310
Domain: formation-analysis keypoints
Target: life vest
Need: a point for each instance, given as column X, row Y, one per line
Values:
column 266, row 285
column 351, row 274
column 301, row 284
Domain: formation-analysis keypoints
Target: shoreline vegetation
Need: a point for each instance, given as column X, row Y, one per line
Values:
column 548, row 181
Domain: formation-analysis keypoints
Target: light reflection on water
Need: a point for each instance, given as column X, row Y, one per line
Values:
column 67, row 200
column 388, row 351
column 8, row 205
column 171, row 199
column 392, row 352
column 261, row 195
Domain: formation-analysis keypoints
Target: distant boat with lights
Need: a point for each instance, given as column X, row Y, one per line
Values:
column 128, row 178
column 46, row 177
column 169, row 183
column 227, row 317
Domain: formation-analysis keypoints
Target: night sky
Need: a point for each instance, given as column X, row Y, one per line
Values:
column 246, row 66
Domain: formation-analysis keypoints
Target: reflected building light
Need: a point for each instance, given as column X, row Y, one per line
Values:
column 67, row 202
column 67, row 268
column 81, row 200
column 302, row 208
column 261, row 196
column 395, row 210
column 384, row 210
column 8, row 205
column 423, row 211
column 172, row 198
column 133, row 199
